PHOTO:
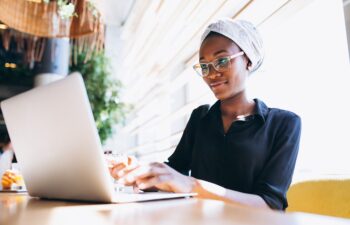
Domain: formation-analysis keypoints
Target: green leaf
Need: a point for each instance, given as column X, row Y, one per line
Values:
column 103, row 92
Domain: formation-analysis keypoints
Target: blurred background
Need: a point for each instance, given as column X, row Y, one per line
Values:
column 143, row 52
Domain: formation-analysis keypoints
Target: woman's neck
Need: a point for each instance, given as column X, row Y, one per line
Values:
column 237, row 105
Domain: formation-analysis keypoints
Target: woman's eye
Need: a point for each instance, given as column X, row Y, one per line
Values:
column 204, row 66
column 222, row 62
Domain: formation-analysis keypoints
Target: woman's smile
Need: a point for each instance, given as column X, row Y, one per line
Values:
column 216, row 85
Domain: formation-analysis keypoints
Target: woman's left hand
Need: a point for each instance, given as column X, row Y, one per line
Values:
column 160, row 176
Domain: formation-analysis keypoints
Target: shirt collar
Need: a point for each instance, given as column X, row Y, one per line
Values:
column 213, row 109
column 261, row 110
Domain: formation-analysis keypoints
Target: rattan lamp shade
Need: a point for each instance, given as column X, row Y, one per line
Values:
column 42, row 20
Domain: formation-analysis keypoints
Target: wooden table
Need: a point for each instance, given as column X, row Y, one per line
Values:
column 22, row 209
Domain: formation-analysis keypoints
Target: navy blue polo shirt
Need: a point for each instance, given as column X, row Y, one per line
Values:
column 257, row 154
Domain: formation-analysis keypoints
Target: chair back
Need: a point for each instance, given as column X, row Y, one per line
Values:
column 327, row 197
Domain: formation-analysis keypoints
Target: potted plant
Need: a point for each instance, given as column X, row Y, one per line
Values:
column 103, row 92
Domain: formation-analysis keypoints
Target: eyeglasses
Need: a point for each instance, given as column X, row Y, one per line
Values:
column 221, row 64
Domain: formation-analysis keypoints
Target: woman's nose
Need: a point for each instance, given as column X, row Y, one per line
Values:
column 213, row 73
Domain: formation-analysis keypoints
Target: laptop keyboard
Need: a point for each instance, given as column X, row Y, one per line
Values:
column 119, row 188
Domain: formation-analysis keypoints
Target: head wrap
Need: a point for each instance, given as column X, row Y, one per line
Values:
column 243, row 34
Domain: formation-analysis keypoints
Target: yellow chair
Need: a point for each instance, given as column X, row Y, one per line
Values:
column 327, row 197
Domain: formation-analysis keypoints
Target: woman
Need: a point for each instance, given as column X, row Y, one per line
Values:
column 238, row 150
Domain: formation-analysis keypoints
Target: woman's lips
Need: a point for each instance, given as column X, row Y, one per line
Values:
column 216, row 85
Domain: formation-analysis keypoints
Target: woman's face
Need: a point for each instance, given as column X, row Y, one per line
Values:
column 226, row 84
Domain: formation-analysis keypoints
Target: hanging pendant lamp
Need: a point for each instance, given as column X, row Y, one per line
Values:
column 36, row 19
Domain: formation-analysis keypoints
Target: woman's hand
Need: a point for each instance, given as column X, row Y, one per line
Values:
column 117, row 169
column 8, row 178
column 158, row 175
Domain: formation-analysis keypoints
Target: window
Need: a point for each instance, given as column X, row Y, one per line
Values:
column 307, row 71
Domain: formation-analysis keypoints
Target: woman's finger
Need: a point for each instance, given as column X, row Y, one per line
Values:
column 148, row 171
column 116, row 169
column 154, row 182
column 132, row 161
column 142, row 172
column 127, row 170
column 128, row 176
column 145, row 171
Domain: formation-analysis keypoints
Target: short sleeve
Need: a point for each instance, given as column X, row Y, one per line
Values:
column 273, row 182
column 181, row 159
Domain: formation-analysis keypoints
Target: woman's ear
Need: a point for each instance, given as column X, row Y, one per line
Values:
column 249, row 65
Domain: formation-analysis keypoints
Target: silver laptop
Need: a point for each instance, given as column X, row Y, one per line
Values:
column 58, row 148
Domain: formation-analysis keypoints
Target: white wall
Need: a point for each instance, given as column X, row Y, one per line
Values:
column 307, row 71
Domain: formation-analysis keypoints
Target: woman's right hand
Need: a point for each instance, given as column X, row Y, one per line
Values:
column 118, row 169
